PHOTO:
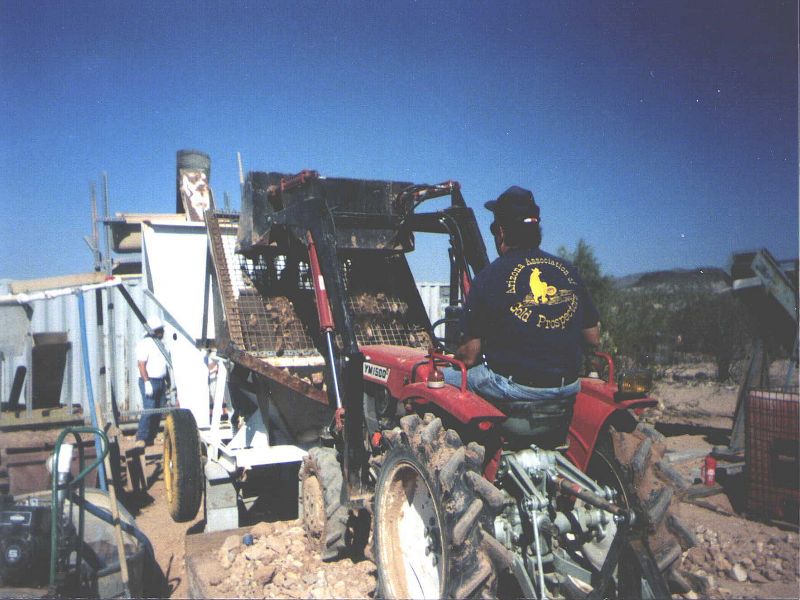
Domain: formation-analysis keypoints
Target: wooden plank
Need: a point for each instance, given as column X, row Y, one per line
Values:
column 684, row 455
column 700, row 490
column 710, row 506
column 62, row 416
column 29, row 286
column 23, row 592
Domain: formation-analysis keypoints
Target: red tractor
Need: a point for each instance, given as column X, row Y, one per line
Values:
column 456, row 509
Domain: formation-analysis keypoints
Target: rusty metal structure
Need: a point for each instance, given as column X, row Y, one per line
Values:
column 313, row 300
column 300, row 337
column 313, row 270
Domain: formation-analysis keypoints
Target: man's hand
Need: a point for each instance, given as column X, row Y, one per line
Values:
column 469, row 352
column 148, row 388
column 591, row 338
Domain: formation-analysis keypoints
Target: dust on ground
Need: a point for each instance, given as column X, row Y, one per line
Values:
column 735, row 557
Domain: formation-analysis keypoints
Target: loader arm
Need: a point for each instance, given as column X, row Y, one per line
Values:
column 310, row 222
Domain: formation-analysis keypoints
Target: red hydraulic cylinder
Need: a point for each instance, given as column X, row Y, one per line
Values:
column 325, row 318
column 320, row 294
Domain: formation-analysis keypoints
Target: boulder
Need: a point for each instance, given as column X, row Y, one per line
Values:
column 264, row 574
column 255, row 553
column 738, row 573
column 231, row 542
column 757, row 577
column 277, row 544
column 773, row 575
column 262, row 529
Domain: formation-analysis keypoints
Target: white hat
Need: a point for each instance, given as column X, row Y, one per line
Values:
column 155, row 323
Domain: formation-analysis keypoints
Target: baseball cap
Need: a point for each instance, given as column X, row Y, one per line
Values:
column 515, row 204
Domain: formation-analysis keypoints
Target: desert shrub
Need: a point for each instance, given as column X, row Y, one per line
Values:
column 600, row 286
column 716, row 325
column 664, row 319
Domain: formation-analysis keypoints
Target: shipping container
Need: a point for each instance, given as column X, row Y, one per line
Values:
column 53, row 350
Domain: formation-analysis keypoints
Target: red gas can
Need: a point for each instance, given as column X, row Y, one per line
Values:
column 709, row 470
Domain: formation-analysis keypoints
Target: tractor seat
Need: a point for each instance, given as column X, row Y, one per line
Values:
column 544, row 424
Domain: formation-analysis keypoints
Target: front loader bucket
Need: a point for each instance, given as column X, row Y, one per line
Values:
column 367, row 213
column 268, row 312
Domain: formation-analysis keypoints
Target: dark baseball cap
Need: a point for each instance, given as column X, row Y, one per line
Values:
column 515, row 204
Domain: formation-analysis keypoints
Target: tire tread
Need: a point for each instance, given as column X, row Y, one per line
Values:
column 321, row 463
column 466, row 506
column 187, row 493
column 640, row 455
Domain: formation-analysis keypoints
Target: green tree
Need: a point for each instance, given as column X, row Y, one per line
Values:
column 638, row 321
column 600, row 286
column 715, row 324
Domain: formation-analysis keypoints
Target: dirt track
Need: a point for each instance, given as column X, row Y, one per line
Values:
column 280, row 563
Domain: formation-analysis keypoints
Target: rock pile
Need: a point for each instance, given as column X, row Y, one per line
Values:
column 740, row 557
column 275, row 561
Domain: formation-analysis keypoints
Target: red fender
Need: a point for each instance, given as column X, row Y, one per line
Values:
column 466, row 407
column 594, row 406
column 405, row 371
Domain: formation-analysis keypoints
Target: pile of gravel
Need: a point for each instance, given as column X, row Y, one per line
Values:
column 275, row 561
column 742, row 558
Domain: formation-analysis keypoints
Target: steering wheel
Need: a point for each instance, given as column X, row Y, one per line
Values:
column 441, row 342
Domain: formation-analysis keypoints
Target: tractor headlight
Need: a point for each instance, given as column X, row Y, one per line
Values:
column 634, row 384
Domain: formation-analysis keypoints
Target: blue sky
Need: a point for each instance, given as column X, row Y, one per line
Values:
column 663, row 133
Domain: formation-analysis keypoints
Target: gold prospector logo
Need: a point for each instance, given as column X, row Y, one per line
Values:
column 541, row 293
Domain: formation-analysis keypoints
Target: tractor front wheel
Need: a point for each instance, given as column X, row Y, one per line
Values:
column 325, row 518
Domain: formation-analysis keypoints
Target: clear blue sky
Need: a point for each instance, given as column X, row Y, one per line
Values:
column 663, row 133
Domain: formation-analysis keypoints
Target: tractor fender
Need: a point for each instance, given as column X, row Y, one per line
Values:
column 465, row 407
column 594, row 411
column 405, row 372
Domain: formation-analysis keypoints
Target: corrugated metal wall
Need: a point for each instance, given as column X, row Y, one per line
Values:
column 61, row 314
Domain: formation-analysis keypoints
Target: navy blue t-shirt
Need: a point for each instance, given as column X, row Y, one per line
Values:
column 528, row 309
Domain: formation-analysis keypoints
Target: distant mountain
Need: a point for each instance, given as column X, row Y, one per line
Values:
column 711, row 278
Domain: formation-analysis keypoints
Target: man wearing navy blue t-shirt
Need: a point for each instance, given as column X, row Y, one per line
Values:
column 526, row 323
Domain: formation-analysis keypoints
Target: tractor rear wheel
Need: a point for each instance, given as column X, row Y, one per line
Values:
column 183, row 469
column 325, row 519
column 628, row 462
column 433, row 513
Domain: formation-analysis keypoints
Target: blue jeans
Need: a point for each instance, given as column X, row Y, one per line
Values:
column 148, row 424
column 535, row 415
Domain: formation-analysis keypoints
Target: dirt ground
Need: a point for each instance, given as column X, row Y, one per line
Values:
column 735, row 557
column 167, row 537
